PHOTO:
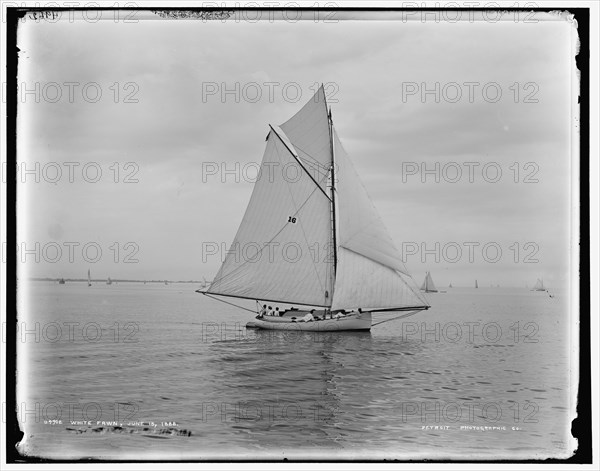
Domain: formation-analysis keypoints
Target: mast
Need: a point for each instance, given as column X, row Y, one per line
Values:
column 333, row 229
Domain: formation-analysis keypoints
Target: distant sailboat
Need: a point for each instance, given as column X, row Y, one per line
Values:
column 428, row 285
column 61, row 281
column 450, row 285
column 358, row 270
column 205, row 284
column 109, row 281
column 89, row 279
column 539, row 285
column 476, row 286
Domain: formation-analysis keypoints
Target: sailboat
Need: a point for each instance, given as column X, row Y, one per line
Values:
column 318, row 240
column 476, row 286
column 539, row 285
column 205, row 284
column 89, row 279
column 61, row 281
column 450, row 285
column 428, row 285
column 109, row 281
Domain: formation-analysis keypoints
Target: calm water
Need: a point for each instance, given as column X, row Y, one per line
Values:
column 174, row 375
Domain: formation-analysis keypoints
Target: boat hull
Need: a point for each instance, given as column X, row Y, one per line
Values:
column 351, row 322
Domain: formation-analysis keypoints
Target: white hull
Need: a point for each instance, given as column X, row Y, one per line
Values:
column 350, row 322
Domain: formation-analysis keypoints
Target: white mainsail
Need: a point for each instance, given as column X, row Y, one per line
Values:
column 282, row 251
column 273, row 258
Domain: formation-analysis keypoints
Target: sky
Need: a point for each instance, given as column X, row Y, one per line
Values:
column 162, row 126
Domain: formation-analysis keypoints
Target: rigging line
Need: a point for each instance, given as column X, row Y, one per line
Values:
column 302, row 227
column 300, row 163
column 312, row 163
column 311, row 159
column 266, row 244
column 414, row 289
column 320, row 172
column 333, row 191
column 226, row 302
column 411, row 313
column 281, row 301
column 369, row 258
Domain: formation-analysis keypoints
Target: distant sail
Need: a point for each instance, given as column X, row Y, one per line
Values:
column 476, row 286
column 539, row 286
column 428, row 286
column 89, row 278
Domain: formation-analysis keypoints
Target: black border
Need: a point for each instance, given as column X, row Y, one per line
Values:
column 581, row 426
